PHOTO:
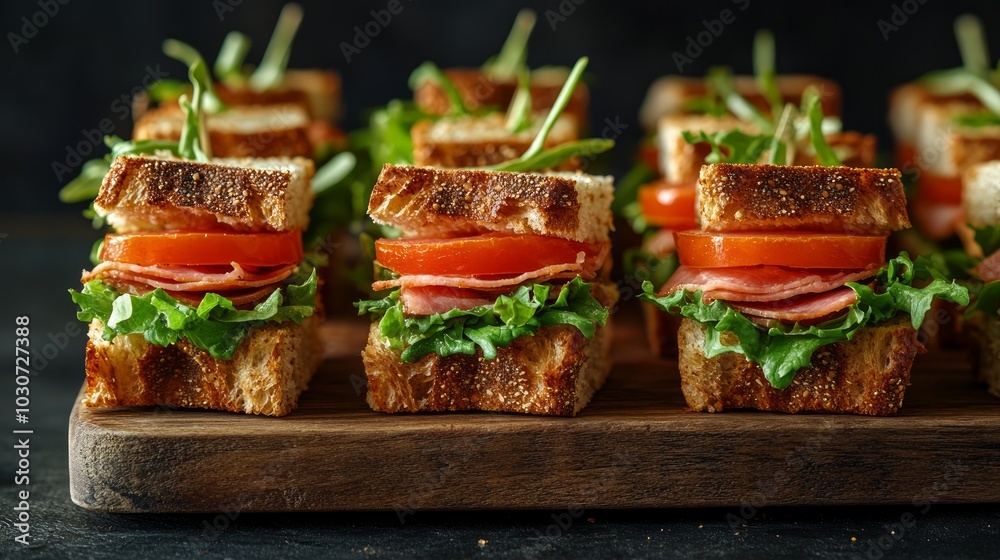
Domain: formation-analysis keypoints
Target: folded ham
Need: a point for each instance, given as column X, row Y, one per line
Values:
column 761, row 283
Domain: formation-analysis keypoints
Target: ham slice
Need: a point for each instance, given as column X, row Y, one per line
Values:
column 801, row 308
column 760, row 283
column 189, row 279
column 241, row 299
column 431, row 300
column 989, row 269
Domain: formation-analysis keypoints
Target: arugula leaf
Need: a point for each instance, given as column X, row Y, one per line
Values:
column 429, row 72
column 987, row 300
column 764, row 69
column 824, row 153
column 88, row 183
column 721, row 80
column 215, row 325
column 167, row 90
column 272, row 67
column 554, row 156
column 333, row 172
column 190, row 56
column 972, row 44
column 519, row 112
column 487, row 327
column 232, row 55
column 731, row 146
column 977, row 119
column 514, row 52
column 988, row 238
column 782, row 350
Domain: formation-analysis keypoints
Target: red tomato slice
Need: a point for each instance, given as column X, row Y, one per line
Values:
column 939, row 190
column 194, row 249
column 668, row 205
column 702, row 249
column 480, row 255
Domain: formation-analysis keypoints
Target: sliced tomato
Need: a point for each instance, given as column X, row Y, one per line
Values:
column 479, row 255
column 193, row 249
column 669, row 205
column 937, row 189
column 702, row 249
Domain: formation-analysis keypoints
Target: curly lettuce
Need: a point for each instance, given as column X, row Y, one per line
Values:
column 783, row 350
column 215, row 325
column 486, row 327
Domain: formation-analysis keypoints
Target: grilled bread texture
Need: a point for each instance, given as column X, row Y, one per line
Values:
column 866, row 375
column 244, row 96
column 672, row 95
column 441, row 202
column 271, row 367
column 249, row 195
column 249, row 131
column 554, row 372
column 479, row 91
column 738, row 197
column 476, row 141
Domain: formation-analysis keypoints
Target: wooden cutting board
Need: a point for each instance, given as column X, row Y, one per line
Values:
column 634, row 446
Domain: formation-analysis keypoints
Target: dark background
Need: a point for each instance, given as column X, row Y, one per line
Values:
column 67, row 77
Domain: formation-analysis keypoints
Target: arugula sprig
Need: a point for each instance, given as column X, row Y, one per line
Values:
column 232, row 55
column 513, row 56
column 974, row 77
column 782, row 350
column 271, row 71
column 487, row 327
column 536, row 156
column 215, row 325
column 190, row 56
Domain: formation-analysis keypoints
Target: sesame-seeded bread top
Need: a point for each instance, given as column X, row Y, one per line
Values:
column 251, row 195
column 739, row 197
column 433, row 202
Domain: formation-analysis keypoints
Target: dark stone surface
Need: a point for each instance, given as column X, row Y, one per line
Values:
column 45, row 258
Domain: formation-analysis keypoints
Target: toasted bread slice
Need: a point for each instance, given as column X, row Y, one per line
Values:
column 736, row 197
column 554, row 372
column 480, row 91
column 250, row 131
column 323, row 91
column 672, row 95
column 981, row 194
column 985, row 334
column 481, row 141
column 156, row 193
column 680, row 162
column 244, row 96
column 908, row 103
column 865, row 375
column 271, row 367
column 441, row 202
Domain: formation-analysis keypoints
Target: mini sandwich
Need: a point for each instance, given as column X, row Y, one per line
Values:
column 735, row 119
column 495, row 84
column 201, row 298
column 498, row 291
column 788, row 302
column 944, row 123
column 254, row 131
column 981, row 269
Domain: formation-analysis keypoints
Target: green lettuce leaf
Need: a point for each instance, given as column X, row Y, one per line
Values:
column 215, row 325
column 781, row 350
column 486, row 327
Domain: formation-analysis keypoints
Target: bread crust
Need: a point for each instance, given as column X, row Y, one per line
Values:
column 277, row 136
column 147, row 193
column 440, row 202
column 245, row 96
column 866, row 375
column 981, row 194
column 739, row 197
column 482, row 141
column 266, row 375
column 479, row 91
column 554, row 372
